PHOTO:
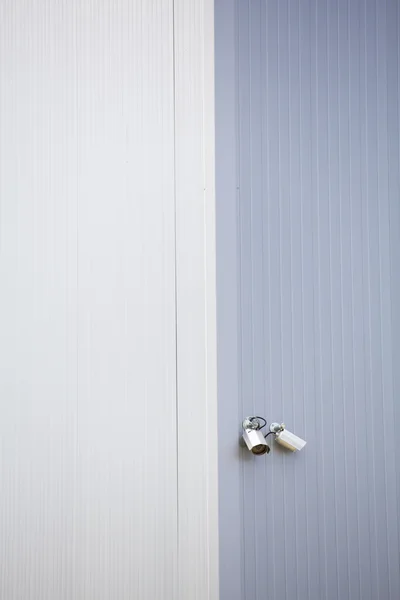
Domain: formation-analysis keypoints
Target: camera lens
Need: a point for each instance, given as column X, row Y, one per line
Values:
column 260, row 449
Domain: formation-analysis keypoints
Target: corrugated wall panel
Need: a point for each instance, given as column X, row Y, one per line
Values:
column 196, row 302
column 87, row 305
column 312, row 91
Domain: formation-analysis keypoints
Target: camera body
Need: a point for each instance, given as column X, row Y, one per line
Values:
column 289, row 440
column 255, row 441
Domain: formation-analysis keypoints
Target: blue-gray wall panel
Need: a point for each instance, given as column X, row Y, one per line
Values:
column 227, row 277
column 308, row 248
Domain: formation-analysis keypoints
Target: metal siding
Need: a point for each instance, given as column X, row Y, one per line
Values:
column 227, row 246
column 97, row 174
column 196, row 310
column 311, row 90
column 107, row 308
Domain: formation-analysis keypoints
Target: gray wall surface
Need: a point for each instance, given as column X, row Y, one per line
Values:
column 308, row 279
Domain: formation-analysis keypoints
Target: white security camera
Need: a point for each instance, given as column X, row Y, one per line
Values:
column 287, row 438
column 255, row 439
column 253, row 436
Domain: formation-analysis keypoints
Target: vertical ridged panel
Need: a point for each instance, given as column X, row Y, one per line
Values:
column 196, row 311
column 230, row 490
column 87, row 305
column 315, row 236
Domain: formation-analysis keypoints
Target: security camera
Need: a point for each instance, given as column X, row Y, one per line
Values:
column 253, row 436
column 287, row 438
column 255, row 439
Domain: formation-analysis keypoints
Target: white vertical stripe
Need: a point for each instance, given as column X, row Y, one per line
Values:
column 196, row 328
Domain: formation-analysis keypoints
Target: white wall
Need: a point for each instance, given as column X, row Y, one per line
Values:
column 106, row 294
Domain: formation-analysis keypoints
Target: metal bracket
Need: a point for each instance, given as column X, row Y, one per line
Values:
column 251, row 424
column 276, row 427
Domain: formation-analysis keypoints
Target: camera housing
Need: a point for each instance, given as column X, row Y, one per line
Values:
column 255, row 441
column 289, row 440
